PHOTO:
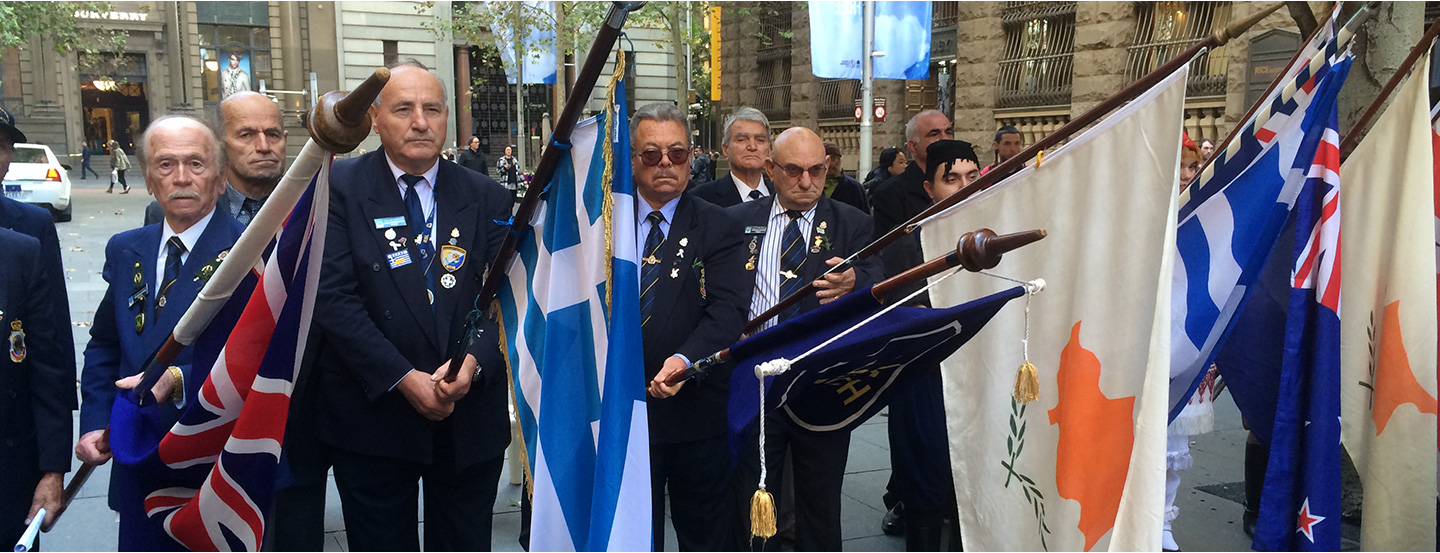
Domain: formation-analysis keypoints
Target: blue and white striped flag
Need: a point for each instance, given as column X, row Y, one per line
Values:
column 1231, row 217
column 570, row 310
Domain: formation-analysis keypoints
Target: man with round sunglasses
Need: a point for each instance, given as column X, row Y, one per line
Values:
column 794, row 238
column 693, row 300
column 747, row 147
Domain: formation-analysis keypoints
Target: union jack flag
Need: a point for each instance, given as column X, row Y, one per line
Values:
column 235, row 427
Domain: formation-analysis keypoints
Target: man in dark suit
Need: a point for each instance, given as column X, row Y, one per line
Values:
column 154, row 273
column 408, row 240
column 840, row 186
column 35, row 327
column 692, row 304
column 747, row 146
column 473, row 159
column 792, row 239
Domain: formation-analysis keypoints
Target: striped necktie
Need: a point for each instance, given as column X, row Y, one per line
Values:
column 174, row 250
column 421, row 228
column 792, row 258
column 650, row 265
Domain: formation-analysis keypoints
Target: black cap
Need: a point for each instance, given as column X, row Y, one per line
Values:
column 7, row 126
column 944, row 153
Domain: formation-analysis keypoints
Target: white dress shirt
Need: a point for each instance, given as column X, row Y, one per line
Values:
column 425, row 189
column 767, row 269
column 188, row 238
column 744, row 188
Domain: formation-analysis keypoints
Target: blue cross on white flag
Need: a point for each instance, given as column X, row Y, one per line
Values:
column 570, row 314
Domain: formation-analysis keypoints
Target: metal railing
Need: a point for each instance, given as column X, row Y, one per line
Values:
column 1164, row 29
column 837, row 98
column 1037, row 69
column 772, row 86
column 944, row 14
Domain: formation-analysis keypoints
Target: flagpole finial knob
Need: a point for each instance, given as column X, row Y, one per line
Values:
column 340, row 121
column 982, row 249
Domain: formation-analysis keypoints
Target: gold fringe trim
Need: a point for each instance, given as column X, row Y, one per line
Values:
column 762, row 515
column 511, row 384
column 1027, row 384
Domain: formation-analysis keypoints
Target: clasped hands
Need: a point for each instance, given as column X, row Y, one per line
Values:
column 431, row 395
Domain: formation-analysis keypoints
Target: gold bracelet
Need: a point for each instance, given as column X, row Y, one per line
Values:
column 178, row 392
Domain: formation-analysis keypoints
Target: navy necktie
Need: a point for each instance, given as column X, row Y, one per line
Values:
column 416, row 219
column 248, row 208
column 756, row 194
column 650, row 265
column 174, row 249
column 792, row 258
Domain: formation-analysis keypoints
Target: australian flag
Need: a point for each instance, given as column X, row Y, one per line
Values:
column 1296, row 409
column 209, row 481
column 846, row 382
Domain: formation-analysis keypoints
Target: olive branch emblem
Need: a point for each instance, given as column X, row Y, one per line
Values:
column 1014, row 444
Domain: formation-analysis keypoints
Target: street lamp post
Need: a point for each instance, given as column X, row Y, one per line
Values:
column 867, row 89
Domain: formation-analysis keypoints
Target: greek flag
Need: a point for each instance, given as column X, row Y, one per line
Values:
column 570, row 311
column 1231, row 217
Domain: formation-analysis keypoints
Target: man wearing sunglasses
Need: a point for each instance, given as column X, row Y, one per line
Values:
column 693, row 300
column 794, row 238
column 747, row 147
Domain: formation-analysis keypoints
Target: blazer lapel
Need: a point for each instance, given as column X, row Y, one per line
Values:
column 674, row 270
column 145, row 252
column 818, row 246
column 455, row 231
column 385, row 203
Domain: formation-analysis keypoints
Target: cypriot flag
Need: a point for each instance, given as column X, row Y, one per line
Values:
column 1387, row 338
column 1084, row 466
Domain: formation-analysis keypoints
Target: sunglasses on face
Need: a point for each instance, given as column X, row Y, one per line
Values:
column 651, row 158
column 816, row 172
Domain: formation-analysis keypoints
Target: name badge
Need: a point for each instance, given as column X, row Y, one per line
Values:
column 757, row 229
column 398, row 259
column 389, row 222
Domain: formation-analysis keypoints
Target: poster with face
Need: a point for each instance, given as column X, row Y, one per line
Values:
column 234, row 72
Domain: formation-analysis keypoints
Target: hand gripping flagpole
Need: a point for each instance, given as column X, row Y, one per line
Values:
column 975, row 252
column 1218, row 38
column 337, row 125
column 549, row 161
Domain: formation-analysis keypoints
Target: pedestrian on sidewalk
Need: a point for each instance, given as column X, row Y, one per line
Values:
column 119, row 162
column 85, row 154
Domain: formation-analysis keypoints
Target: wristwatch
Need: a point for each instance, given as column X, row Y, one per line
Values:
column 178, row 392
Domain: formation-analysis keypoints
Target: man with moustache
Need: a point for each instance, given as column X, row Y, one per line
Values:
column 154, row 273
column 408, row 240
column 692, row 303
column 254, row 144
column 793, row 237
column 747, row 146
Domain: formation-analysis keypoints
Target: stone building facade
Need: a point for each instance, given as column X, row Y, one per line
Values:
column 1034, row 65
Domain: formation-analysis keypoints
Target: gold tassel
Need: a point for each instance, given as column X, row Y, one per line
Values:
column 1027, row 384
column 762, row 515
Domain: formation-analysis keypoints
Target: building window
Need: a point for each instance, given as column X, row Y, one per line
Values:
column 1165, row 29
column 1039, row 48
column 773, row 84
column 234, row 47
column 837, row 98
column 10, row 92
column 392, row 51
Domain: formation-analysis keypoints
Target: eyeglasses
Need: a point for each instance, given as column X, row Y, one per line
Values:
column 651, row 158
column 816, row 172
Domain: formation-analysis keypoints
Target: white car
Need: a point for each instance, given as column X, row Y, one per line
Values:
column 36, row 176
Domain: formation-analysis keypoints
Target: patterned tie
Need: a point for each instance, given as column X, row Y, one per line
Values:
column 792, row 258
column 756, row 194
column 174, row 249
column 416, row 219
column 650, row 265
column 248, row 208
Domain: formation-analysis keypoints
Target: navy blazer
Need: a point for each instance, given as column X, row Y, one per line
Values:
column 36, row 221
column 700, row 309
column 117, row 349
column 722, row 191
column 37, row 381
column 377, row 322
column 849, row 191
column 847, row 229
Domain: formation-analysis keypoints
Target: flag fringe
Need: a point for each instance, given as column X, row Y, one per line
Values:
column 519, row 438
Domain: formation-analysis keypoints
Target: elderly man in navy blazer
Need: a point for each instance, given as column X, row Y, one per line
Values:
column 37, row 390
column 792, row 239
column 408, row 241
column 747, row 147
column 692, row 304
column 154, row 273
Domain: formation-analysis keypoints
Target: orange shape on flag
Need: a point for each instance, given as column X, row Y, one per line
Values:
column 1395, row 382
column 1096, row 436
